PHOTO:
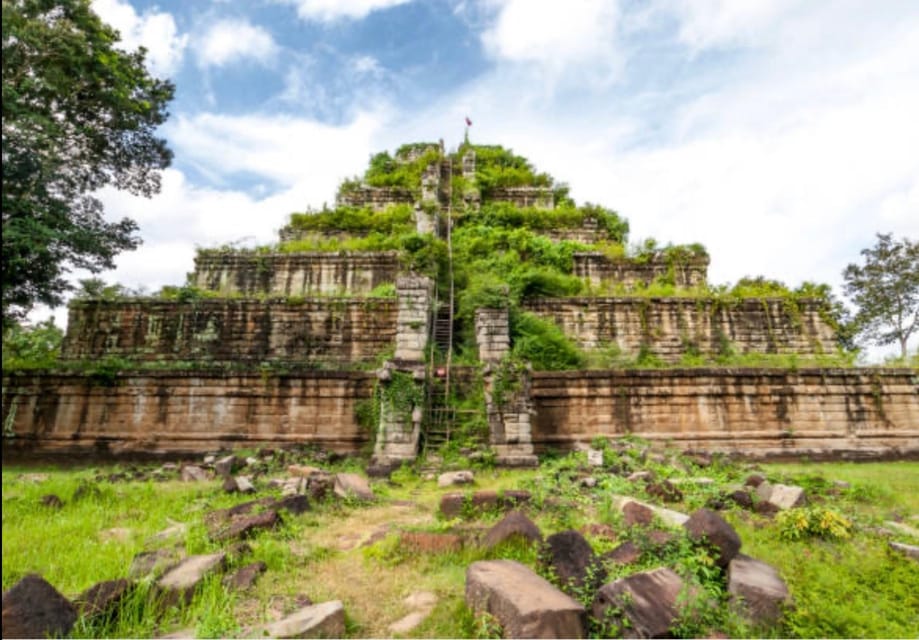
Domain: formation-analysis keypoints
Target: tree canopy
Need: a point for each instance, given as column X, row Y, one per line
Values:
column 78, row 115
column 885, row 289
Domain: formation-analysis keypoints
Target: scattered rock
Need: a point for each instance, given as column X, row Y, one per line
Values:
column 514, row 525
column 352, row 485
column 226, row 466
column 760, row 587
column 588, row 483
column 244, row 525
column 37, row 478
column 244, row 577
column 754, row 480
column 625, row 553
column 640, row 476
column 154, row 562
column 902, row 528
column 169, row 467
column 230, row 486
column 668, row 516
column 251, row 462
column 451, row 505
column 594, row 457
column 303, row 471
column 637, row 514
column 910, row 551
column 706, row 525
column 422, row 603
column 295, row 504
column 244, row 484
column 841, row 484
column 52, row 501
column 573, row 560
column 700, row 459
column 174, row 531
column 191, row 473
column 664, row 491
column 513, row 498
column 455, row 477
column 599, row 530
column 643, row 605
column 32, row 608
column 210, row 459
column 325, row 620
column 781, row 495
column 658, row 538
column 525, row 604
column 741, row 498
column 102, row 598
column 426, row 542
column 179, row 583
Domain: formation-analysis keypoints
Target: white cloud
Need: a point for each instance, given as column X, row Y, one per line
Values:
column 719, row 23
column 232, row 40
column 333, row 10
column 155, row 30
column 558, row 37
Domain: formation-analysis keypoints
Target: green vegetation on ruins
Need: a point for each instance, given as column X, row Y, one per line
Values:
column 844, row 579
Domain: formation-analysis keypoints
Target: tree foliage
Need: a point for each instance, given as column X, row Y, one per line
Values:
column 78, row 115
column 885, row 290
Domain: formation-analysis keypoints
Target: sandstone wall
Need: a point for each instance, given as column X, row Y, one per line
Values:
column 178, row 413
column 671, row 327
column 377, row 198
column 232, row 331
column 597, row 269
column 295, row 274
column 758, row 413
column 539, row 197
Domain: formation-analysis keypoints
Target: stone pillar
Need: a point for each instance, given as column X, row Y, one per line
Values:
column 425, row 222
column 510, row 408
column 415, row 295
column 399, row 428
column 471, row 194
column 430, row 183
column 469, row 166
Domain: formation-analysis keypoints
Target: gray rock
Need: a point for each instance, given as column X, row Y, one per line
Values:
column 325, row 620
column 594, row 457
column 910, row 551
column 781, row 496
column 900, row 527
column 210, row 459
column 226, row 465
column 455, row 477
column 669, row 516
column 422, row 603
column 514, row 524
column 154, row 562
column 172, row 532
column 706, row 525
column 525, row 604
column 244, row 577
column 759, row 588
column 191, row 473
column 32, row 608
column 179, row 583
column 352, row 485
column 643, row 605
column 244, row 484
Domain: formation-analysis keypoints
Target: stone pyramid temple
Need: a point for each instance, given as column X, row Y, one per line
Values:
column 459, row 299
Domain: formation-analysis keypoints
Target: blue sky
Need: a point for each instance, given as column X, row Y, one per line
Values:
column 782, row 134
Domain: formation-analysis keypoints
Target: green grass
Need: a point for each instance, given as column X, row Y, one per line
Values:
column 844, row 588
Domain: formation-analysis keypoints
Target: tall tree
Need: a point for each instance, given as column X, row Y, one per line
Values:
column 885, row 291
column 78, row 115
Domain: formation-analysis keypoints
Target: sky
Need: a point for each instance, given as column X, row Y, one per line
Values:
column 781, row 134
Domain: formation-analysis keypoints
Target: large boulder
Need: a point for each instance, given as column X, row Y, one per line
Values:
column 192, row 473
column 451, row 478
column 226, row 465
column 353, row 486
column 179, row 583
column 513, row 525
column 525, row 604
column 325, row 620
column 759, row 587
column 574, row 561
column 706, row 525
column 643, row 605
column 32, row 608
column 781, row 496
column 103, row 597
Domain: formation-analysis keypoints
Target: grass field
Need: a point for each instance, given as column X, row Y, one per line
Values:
column 842, row 587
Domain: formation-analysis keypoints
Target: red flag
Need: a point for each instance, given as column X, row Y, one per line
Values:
column 468, row 122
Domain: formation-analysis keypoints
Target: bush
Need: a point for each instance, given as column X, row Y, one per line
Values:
column 819, row 522
column 37, row 347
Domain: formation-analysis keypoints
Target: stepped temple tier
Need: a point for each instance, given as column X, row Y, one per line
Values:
column 460, row 299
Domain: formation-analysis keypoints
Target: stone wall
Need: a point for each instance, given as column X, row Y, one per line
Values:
column 538, row 197
column 377, row 198
column 183, row 412
column 416, row 295
column 598, row 269
column 589, row 232
column 295, row 274
column 670, row 327
column 232, row 331
column 758, row 413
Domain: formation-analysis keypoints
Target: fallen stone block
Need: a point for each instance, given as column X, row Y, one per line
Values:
column 759, row 589
column 32, row 608
column 324, row 620
column 427, row 542
column 573, row 561
column 455, row 477
column 244, row 577
column 514, row 525
column 102, row 598
column 910, row 551
column 226, row 465
column 352, row 485
column 706, row 525
column 179, row 583
column 192, row 473
column 668, row 516
column 782, row 496
column 154, row 562
column 525, row 604
column 643, row 605
column 245, row 525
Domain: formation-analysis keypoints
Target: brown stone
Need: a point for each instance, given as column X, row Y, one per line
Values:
column 351, row 485
column 664, row 490
column 643, row 605
column 245, row 525
column 626, row 553
column 525, row 604
column 179, row 583
column 514, row 525
column 154, row 562
column 573, row 560
column 754, row 480
column 32, row 608
column 192, row 473
column 741, row 498
column 706, row 525
column 759, row 587
column 52, row 501
column 103, row 597
column 637, row 515
column 451, row 505
column 245, row 577
column 599, row 530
